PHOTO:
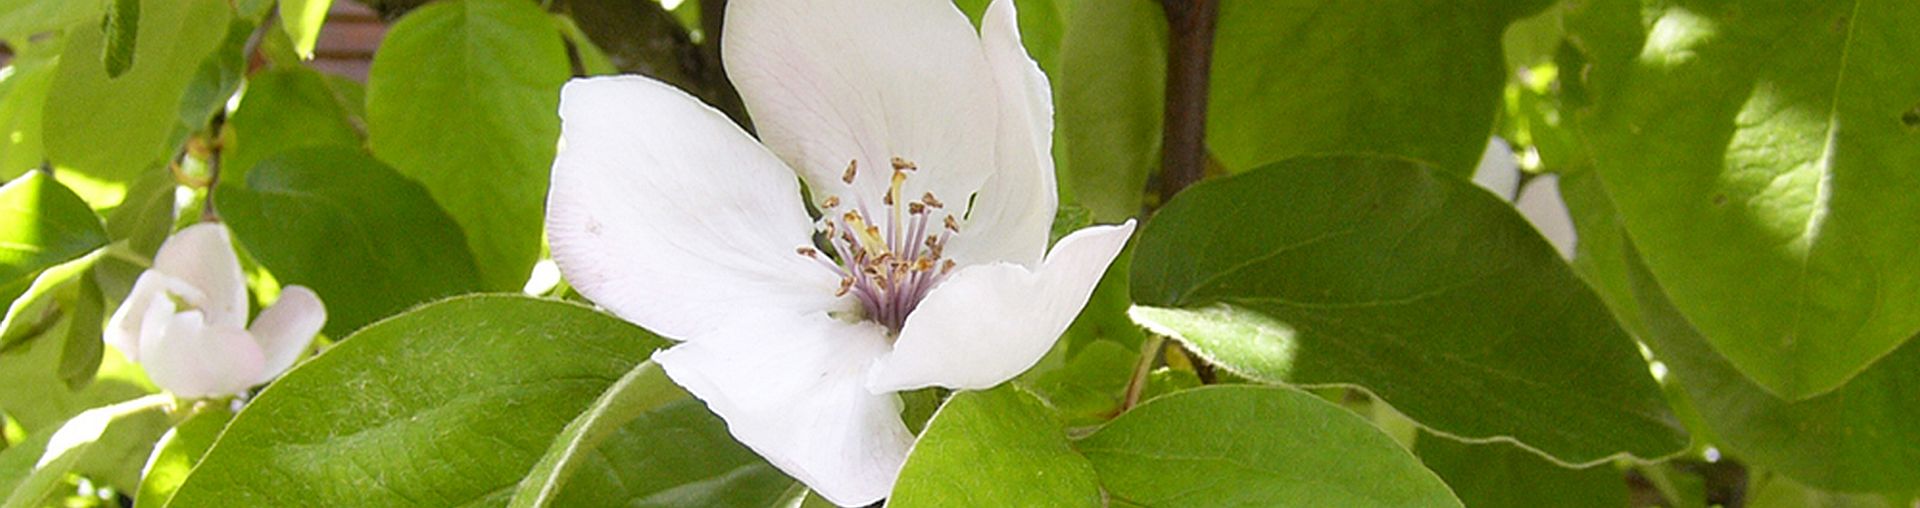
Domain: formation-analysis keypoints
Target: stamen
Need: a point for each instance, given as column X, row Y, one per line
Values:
column 888, row 265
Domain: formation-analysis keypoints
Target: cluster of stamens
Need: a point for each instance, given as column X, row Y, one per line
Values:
column 889, row 266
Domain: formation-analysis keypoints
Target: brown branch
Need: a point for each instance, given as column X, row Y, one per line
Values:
column 1189, row 61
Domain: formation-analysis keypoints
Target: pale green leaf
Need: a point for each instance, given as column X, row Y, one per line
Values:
column 463, row 97
column 1000, row 447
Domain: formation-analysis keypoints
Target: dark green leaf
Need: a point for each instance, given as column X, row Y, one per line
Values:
column 463, row 98
column 43, row 224
column 1255, row 446
column 1431, row 293
column 1759, row 161
column 643, row 390
column 371, row 242
column 215, row 79
column 1000, row 447
column 447, row 405
column 1418, row 79
column 1496, row 475
column 1860, row 437
column 677, row 455
column 1090, row 387
column 122, row 28
column 177, row 452
column 111, row 128
column 81, row 356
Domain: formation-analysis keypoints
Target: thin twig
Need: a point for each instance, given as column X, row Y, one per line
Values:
column 1189, row 61
column 1149, row 353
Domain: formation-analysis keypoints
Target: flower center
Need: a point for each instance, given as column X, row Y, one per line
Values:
column 888, row 261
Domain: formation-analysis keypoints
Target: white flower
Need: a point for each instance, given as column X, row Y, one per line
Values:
column 185, row 321
column 926, row 149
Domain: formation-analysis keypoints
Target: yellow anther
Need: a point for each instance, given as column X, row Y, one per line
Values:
column 832, row 201
column 952, row 225
column 865, row 235
column 916, row 208
column 853, row 166
column 807, row 251
column 930, row 201
column 899, row 164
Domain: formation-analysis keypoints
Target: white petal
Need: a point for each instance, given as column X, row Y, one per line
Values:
column 1540, row 203
column 286, row 328
column 146, row 306
column 194, row 360
column 792, row 388
column 1498, row 172
column 1013, row 212
column 829, row 81
column 989, row 323
column 202, row 256
column 666, row 213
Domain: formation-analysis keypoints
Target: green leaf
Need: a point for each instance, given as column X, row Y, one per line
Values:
column 1767, row 490
column 371, row 242
column 1091, row 386
column 34, row 396
column 100, row 433
column 1255, row 446
column 447, row 405
column 285, row 108
column 43, row 224
column 643, row 389
column 462, row 97
column 215, row 80
column 122, row 27
column 1418, row 79
column 1859, row 438
column 111, row 128
column 677, row 455
column 1423, row 289
column 23, row 90
column 1000, row 447
column 40, row 308
column 1108, row 91
column 22, row 19
column 80, row 358
column 302, row 20
column 1755, row 156
column 593, row 60
column 1496, row 475
column 177, row 452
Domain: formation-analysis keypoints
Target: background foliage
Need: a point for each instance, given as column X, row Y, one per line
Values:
column 1337, row 315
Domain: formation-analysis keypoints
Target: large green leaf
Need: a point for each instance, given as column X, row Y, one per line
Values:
column 1108, row 93
column 643, row 389
column 1414, row 78
column 1429, row 292
column 42, row 224
column 1861, row 437
column 112, row 128
column 463, row 97
column 302, row 20
column 676, row 455
column 1000, row 447
column 1762, row 161
column 286, row 108
column 1255, row 446
column 448, row 405
column 371, row 242
column 33, row 395
column 1497, row 475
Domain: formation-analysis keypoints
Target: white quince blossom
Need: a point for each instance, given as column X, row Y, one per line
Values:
column 926, row 147
column 185, row 321
column 1538, row 201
